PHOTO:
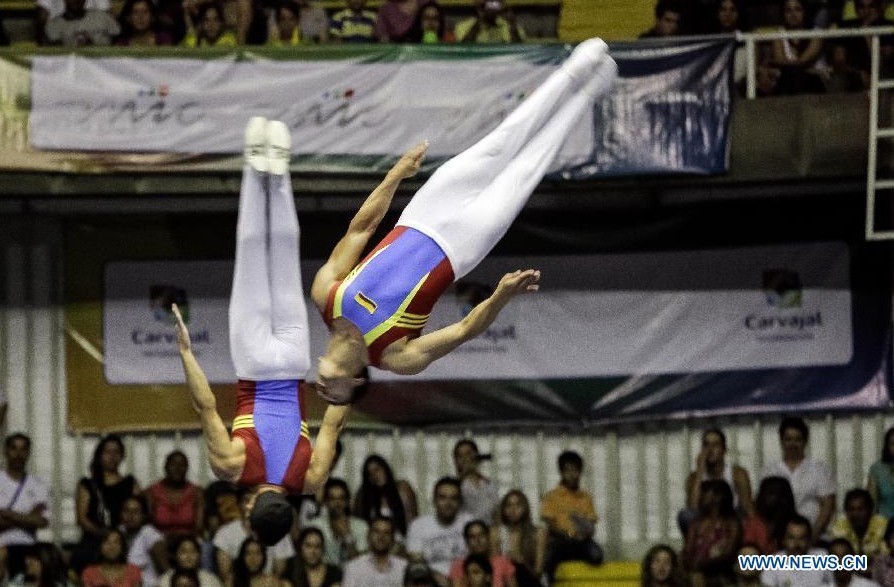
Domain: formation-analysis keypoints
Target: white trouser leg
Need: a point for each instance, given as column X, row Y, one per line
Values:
column 470, row 202
column 289, row 313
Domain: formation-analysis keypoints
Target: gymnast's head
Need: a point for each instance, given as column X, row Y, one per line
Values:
column 269, row 515
column 340, row 382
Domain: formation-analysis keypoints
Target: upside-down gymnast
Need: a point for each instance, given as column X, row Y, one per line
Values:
column 269, row 450
column 376, row 309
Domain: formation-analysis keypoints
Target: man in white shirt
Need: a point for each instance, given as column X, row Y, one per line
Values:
column 797, row 541
column 24, row 502
column 811, row 482
column 378, row 567
column 229, row 538
column 437, row 538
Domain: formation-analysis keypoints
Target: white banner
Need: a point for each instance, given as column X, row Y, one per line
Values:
column 595, row 315
column 335, row 107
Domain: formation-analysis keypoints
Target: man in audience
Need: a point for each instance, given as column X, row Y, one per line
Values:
column 377, row 567
column 796, row 541
column 80, row 27
column 811, row 482
column 481, row 496
column 570, row 517
column 146, row 547
column 229, row 538
column 843, row 577
column 711, row 464
column 494, row 23
column 864, row 530
column 668, row 20
column 477, row 536
column 437, row 539
column 24, row 501
column 344, row 536
column 354, row 24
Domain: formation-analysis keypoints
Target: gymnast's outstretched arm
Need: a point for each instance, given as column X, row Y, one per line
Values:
column 334, row 419
column 417, row 354
column 226, row 456
column 348, row 250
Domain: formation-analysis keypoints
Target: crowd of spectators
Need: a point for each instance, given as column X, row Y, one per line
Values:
column 175, row 534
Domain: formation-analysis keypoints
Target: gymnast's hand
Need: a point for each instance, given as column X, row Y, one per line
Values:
column 183, row 340
column 410, row 162
column 518, row 282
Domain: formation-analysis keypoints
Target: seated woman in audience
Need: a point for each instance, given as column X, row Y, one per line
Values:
column 430, row 25
column 185, row 554
column 248, row 568
column 774, row 507
column 138, row 26
column 112, row 568
column 881, row 478
column 43, row 567
column 283, row 29
column 176, row 505
column 800, row 61
column 883, row 564
column 381, row 496
column 99, row 498
column 208, row 28
column 662, row 568
column 308, row 568
column 516, row 536
column 714, row 537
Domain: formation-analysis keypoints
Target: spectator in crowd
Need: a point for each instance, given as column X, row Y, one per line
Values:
column 481, row 496
column 516, row 536
column 314, row 24
column 864, row 530
column 229, row 538
column 802, row 69
column 668, row 20
column 354, row 24
column 437, row 539
column 24, row 503
column 308, row 568
column 344, row 535
column 208, row 28
column 713, row 537
column 880, row 483
column 478, row 570
column 430, row 26
column 747, row 577
column 883, row 565
column 138, row 26
column 49, row 9
column 844, row 577
column 185, row 555
column 811, row 482
column 80, row 27
column 662, row 568
column 285, row 29
column 310, row 507
column 145, row 545
column 729, row 17
column 170, row 20
column 381, row 496
column 112, row 568
column 176, row 505
column 221, row 505
column 248, row 567
column 494, row 23
column 796, row 541
column 477, row 536
column 853, row 53
column 774, row 507
column 185, row 578
column 377, row 567
column 43, row 567
column 570, row 517
column 712, row 465
column 100, row 497
column 394, row 19
column 419, row 575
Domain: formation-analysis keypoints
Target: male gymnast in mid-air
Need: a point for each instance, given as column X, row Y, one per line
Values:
column 377, row 308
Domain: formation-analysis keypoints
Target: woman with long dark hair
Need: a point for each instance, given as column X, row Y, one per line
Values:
column 248, row 567
column 661, row 568
column 881, row 478
column 713, row 537
column 308, row 568
column 43, row 567
column 185, row 553
column 139, row 20
column 111, row 568
column 381, row 496
column 774, row 507
column 430, row 25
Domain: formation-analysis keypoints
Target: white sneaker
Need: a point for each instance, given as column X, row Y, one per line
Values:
column 583, row 60
column 255, row 150
column 279, row 147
